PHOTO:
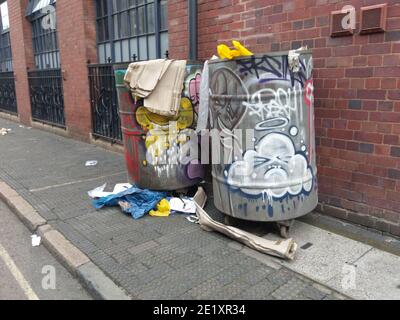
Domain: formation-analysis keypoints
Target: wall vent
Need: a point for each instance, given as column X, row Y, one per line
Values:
column 373, row 19
column 337, row 29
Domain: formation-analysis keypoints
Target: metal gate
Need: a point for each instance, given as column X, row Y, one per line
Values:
column 8, row 100
column 46, row 95
column 104, row 103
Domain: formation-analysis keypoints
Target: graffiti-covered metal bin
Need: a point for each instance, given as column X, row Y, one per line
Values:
column 263, row 110
column 157, row 157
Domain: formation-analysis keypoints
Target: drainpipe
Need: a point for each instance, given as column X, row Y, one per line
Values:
column 192, row 17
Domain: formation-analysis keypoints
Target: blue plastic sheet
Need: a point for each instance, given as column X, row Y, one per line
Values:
column 135, row 201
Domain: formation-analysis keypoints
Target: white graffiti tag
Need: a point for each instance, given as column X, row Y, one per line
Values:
column 269, row 104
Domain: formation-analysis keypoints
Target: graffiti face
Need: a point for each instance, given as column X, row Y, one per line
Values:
column 226, row 88
column 278, row 172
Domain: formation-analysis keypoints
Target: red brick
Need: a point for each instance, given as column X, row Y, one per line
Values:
column 388, row 83
column 387, row 71
column 340, row 134
column 364, row 178
column 371, row 94
column 391, row 139
column 391, row 60
column 376, row 49
column 368, row 137
column 375, row 60
column 354, row 125
column 359, row 72
column 354, row 115
column 373, row 83
column 360, row 61
column 346, row 51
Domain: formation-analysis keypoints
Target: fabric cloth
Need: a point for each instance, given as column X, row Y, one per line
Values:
column 135, row 201
column 159, row 82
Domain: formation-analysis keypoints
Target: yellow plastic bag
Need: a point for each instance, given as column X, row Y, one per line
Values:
column 224, row 52
column 163, row 209
column 242, row 49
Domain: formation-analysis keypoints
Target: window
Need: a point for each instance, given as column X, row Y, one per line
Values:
column 42, row 15
column 128, row 29
column 5, row 43
column 5, row 22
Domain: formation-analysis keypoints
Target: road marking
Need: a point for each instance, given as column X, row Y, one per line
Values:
column 75, row 182
column 31, row 295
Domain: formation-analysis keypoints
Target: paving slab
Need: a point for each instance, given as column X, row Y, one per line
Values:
column 377, row 276
column 321, row 254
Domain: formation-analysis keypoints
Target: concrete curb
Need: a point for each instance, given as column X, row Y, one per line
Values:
column 78, row 264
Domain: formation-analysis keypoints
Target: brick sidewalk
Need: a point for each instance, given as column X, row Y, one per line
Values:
column 151, row 258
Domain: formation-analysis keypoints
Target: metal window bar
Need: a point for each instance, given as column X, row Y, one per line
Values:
column 106, row 122
column 45, row 43
column 5, row 52
column 131, row 27
column 8, row 100
column 46, row 95
column 5, row 47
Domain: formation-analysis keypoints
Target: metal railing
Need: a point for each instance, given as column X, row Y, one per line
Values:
column 46, row 95
column 106, row 122
column 8, row 100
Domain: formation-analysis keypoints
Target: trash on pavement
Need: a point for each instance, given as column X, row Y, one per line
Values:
column 135, row 201
column 99, row 191
column 182, row 205
column 285, row 249
column 163, row 209
column 36, row 240
column 91, row 163
column 4, row 131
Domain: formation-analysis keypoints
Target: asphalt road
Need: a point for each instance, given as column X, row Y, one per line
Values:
column 28, row 272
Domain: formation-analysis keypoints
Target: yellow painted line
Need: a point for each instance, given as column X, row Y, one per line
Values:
column 28, row 291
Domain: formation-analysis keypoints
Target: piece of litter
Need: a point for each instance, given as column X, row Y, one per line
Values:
column 4, row 131
column 193, row 219
column 36, row 240
column 135, row 201
column 100, row 193
column 182, row 205
column 91, row 163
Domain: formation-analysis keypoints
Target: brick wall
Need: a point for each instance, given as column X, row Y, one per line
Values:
column 77, row 38
column 357, row 91
column 178, row 29
column 22, row 52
